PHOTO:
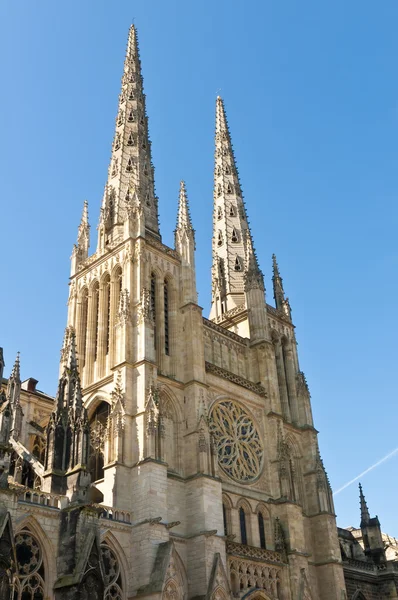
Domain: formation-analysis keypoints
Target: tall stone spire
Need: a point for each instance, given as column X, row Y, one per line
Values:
column 233, row 252
column 14, row 399
column 365, row 516
column 131, row 165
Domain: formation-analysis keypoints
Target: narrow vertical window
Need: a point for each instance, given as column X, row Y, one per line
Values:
column 166, row 319
column 242, row 522
column 96, row 320
column 224, row 514
column 83, row 326
column 108, row 315
column 153, row 302
column 261, row 530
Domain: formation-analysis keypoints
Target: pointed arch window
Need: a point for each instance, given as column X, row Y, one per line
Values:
column 117, row 141
column 120, row 118
column 232, row 211
column 107, row 296
column 130, row 118
column 142, row 120
column 219, row 190
column 98, row 429
column 131, row 95
column 129, row 166
column 113, row 580
column 219, row 239
column 219, row 170
column 224, row 516
column 242, row 525
column 166, row 318
column 261, row 530
column 153, row 303
column 234, row 236
column 130, row 140
column 122, row 97
column 230, row 189
column 147, row 201
column 82, row 338
column 96, row 318
column 145, row 169
column 227, row 170
column 238, row 264
column 31, row 572
column 219, row 212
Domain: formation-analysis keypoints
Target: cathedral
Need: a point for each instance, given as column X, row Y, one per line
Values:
column 179, row 458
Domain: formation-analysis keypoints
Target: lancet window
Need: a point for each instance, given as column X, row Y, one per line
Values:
column 166, row 318
column 129, row 166
column 131, row 116
column 224, row 515
column 153, row 302
column 96, row 318
column 130, row 140
column 238, row 265
column 219, row 190
column 261, row 530
column 242, row 525
column 114, row 168
column 219, row 212
column 98, row 425
column 112, row 576
column 107, row 296
column 230, row 189
column 232, row 211
column 31, row 573
column 234, row 236
column 219, row 239
column 82, row 338
column 117, row 141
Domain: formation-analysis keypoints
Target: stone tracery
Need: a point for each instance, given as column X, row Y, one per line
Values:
column 240, row 452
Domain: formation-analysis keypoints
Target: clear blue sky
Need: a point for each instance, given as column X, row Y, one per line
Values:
column 311, row 93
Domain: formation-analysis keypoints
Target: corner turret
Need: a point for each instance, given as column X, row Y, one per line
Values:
column 371, row 532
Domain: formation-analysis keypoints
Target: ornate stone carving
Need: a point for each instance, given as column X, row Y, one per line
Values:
column 249, row 385
column 145, row 312
column 123, row 314
column 240, row 453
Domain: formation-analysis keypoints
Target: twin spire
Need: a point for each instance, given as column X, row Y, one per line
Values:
column 235, row 269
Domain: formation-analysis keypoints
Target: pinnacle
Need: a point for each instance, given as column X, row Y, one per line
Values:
column 71, row 363
column 365, row 516
column 183, row 217
column 84, row 220
column 16, row 370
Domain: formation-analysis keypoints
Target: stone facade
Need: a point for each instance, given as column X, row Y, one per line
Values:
column 179, row 458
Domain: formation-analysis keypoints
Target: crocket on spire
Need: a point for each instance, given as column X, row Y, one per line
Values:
column 131, row 161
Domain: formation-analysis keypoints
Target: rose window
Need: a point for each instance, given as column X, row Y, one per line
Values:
column 240, row 452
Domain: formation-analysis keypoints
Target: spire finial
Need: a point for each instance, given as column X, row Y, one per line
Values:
column 131, row 160
column 365, row 516
column 233, row 249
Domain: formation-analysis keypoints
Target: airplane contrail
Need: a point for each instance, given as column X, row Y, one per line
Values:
column 366, row 471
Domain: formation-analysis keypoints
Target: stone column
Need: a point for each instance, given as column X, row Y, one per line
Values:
column 291, row 379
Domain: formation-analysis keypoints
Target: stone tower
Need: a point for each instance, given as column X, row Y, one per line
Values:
column 203, row 457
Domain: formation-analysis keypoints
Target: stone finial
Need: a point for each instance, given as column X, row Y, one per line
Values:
column 183, row 217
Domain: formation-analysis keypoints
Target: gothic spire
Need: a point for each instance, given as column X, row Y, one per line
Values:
column 184, row 238
column 233, row 252
column 16, row 370
column 365, row 516
column 131, row 163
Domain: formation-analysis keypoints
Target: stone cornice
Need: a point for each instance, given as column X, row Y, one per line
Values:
column 233, row 336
